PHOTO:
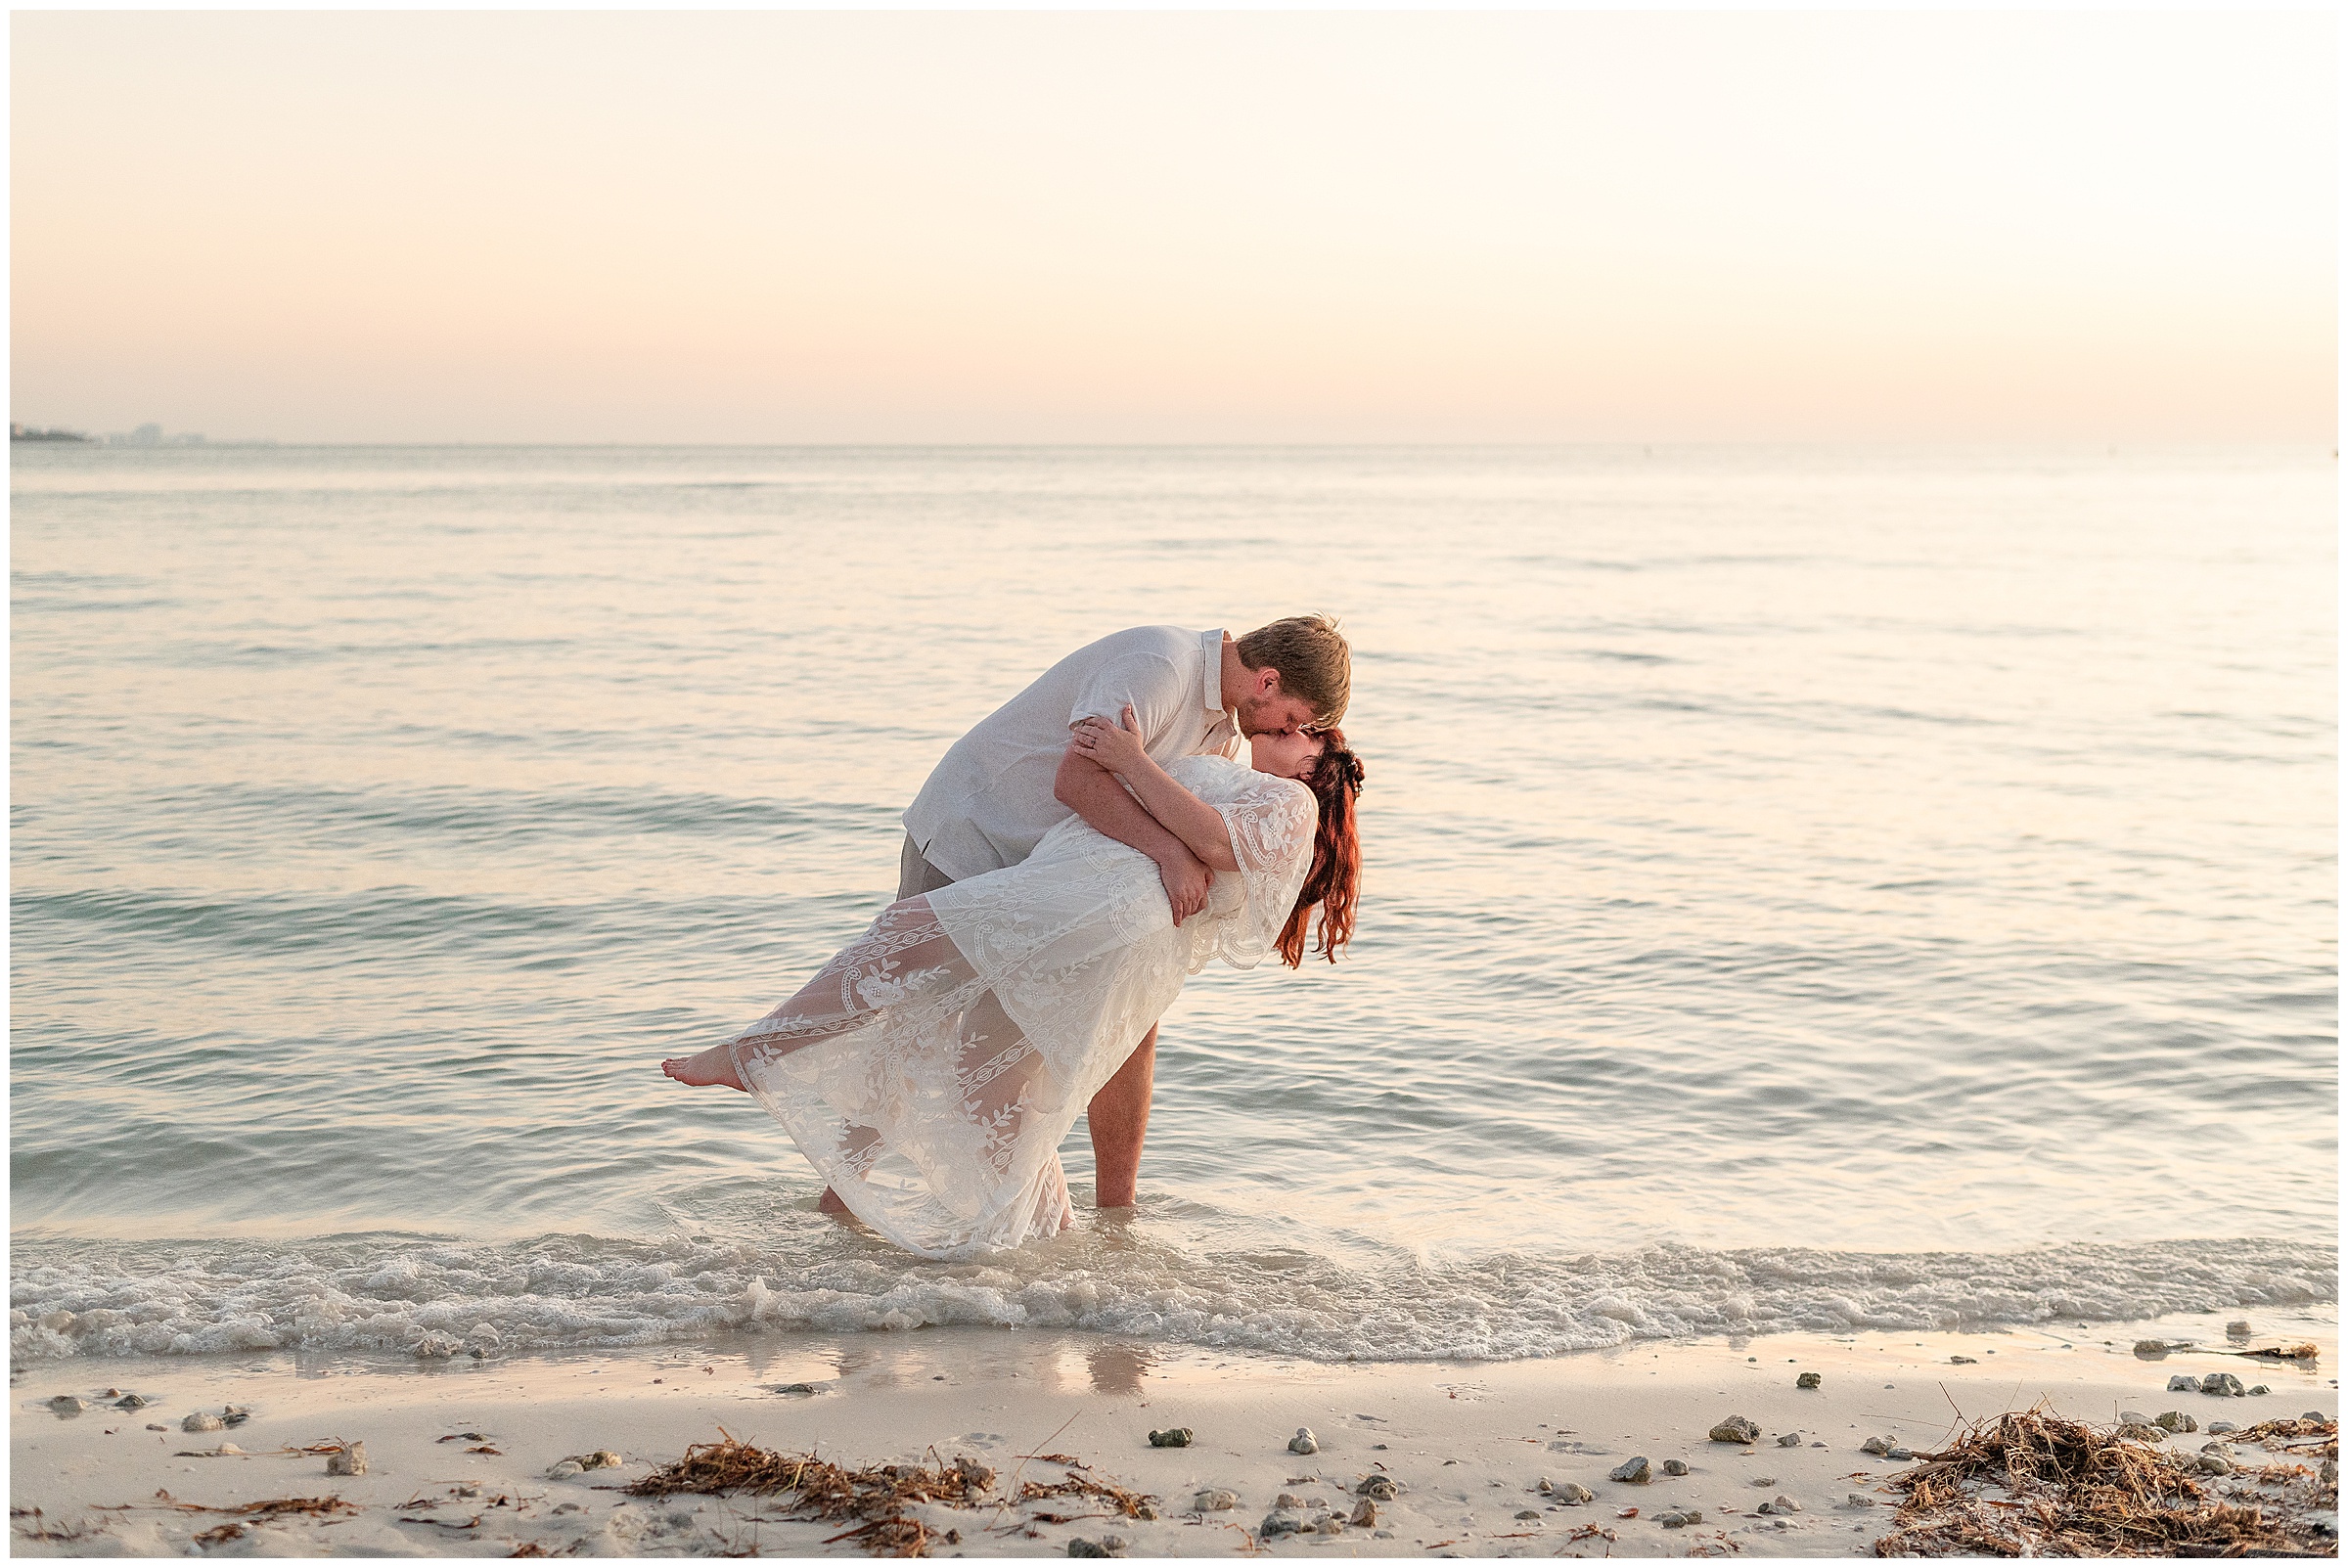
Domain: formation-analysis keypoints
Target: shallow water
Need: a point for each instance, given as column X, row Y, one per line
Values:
column 1805, row 889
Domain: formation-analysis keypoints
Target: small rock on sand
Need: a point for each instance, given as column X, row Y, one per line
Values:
column 1765, row 1480
column 350, row 1459
column 2329, row 1474
column 563, row 1469
column 1383, row 1486
column 1877, row 1446
column 2176, row 1421
column 2258, row 1388
column 1789, row 1439
column 1173, row 1437
column 1785, row 1504
column 2222, row 1383
column 133, row 1402
column 201, row 1421
column 1675, row 1467
column 2239, row 1329
column 1365, row 1514
column 2313, row 1415
column 1680, row 1518
column 1859, row 1499
column 2151, row 1349
column 2184, row 1383
column 1808, row 1381
column 1634, row 1469
column 68, row 1404
column 1215, row 1499
column 1903, row 1454
column 1572, row 1492
column 2216, row 1428
column 1964, row 1360
column 2140, row 1432
column 1529, row 1513
column 2214, row 1464
column 1105, row 1546
column 1736, row 1429
column 1304, row 1441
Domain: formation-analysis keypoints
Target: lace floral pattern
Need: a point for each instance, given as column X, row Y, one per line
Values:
column 930, row 1071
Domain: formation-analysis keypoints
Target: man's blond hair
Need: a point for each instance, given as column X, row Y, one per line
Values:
column 1312, row 658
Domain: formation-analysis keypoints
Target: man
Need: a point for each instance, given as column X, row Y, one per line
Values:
column 999, row 787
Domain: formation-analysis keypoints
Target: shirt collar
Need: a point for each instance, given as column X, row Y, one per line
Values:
column 1211, row 644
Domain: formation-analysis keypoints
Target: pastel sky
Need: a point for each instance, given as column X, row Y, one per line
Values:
column 1088, row 226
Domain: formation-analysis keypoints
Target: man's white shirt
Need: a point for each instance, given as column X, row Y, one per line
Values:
column 990, row 797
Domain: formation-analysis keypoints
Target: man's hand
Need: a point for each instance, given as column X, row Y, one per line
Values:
column 1187, row 879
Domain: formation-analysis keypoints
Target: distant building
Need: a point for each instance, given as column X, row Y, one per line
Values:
column 27, row 433
column 147, row 435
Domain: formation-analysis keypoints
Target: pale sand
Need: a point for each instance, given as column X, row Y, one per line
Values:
column 1469, row 1443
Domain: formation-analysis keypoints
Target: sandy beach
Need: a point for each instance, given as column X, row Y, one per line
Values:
column 1481, row 1456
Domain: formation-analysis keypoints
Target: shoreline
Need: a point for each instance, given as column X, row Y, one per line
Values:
column 1467, row 1443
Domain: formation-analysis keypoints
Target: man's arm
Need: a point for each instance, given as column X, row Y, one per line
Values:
column 1093, row 792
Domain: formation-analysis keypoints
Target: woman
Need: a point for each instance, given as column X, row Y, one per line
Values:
column 929, row 1070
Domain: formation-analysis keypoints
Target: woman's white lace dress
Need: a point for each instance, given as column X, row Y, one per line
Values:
column 929, row 1070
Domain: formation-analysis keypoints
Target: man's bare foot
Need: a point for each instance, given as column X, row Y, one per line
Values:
column 706, row 1068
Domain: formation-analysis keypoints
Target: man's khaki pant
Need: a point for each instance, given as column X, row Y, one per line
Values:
column 916, row 875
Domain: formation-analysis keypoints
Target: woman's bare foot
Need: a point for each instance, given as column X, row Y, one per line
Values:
column 830, row 1203
column 706, row 1068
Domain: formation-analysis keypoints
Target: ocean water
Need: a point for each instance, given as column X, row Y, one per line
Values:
column 1805, row 889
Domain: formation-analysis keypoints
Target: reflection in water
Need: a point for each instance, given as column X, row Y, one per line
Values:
column 1117, row 1369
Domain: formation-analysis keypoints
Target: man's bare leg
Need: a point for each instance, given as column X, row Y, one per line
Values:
column 1117, row 1117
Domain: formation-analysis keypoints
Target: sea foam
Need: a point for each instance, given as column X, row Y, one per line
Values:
column 421, row 1296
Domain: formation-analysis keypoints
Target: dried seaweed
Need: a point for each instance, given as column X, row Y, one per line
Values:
column 2071, row 1490
column 871, row 1500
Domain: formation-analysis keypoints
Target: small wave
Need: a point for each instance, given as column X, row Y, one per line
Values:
column 419, row 1294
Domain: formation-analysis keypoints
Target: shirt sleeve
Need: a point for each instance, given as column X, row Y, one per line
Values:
column 1150, row 681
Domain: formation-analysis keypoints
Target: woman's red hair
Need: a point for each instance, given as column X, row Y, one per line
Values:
column 1337, row 870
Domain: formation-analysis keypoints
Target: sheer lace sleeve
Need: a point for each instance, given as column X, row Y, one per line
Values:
column 1271, row 823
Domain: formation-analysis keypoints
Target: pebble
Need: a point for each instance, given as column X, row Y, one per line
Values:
column 2139, row 1431
column 201, row 1421
column 1877, row 1446
column 1105, row 1546
column 2329, row 1473
column 2135, row 1418
column 1173, row 1437
column 1278, row 1522
column 1215, row 1499
column 2216, row 1427
column 1304, row 1441
column 1365, row 1514
column 1287, row 1499
column 2153, row 1349
column 133, row 1402
column 1736, row 1429
column 563, row 1469
column 1859, row 1499
column 1633, row 1469
column 1785, row 1504
column 2214, row 1464
column 1680, row 1519
column 2258, row 1388
column 1382, row 1488
column 1964, row 1360
column 1789, row 1439
column 1808, row 1381
column 1528, row 1513
column 2313, row 1415
column 2239, row 1329
column 68, row 1404
column 1572, row 1492
column 2184, row 1383
column 1898, row 1452
column 350, row 1459
column 2176, row 1421
column 601, row 1459
column 1765, row 1480
column 2222, row 1383
column 1675, row 1467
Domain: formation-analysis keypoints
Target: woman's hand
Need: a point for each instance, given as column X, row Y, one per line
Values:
column 1114, row 746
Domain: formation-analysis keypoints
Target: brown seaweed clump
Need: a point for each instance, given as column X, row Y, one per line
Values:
column 871, row 1500
column 2030, row 1484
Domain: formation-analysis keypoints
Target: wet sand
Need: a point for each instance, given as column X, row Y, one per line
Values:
column 458, row 1449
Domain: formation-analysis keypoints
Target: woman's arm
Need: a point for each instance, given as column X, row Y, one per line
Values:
column 1119, row 748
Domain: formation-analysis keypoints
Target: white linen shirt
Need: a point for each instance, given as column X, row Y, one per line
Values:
column 990, row 798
